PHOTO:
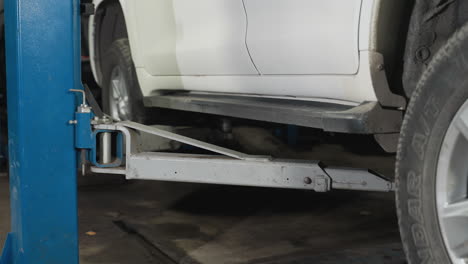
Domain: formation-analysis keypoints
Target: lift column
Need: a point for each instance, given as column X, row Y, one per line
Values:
column 43, row 64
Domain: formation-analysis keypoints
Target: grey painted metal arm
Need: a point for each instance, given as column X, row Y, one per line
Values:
column 232, row 167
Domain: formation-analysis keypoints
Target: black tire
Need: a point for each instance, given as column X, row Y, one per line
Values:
column 119, row 55
column 442, row 90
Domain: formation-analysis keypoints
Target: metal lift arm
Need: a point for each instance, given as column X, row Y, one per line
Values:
column 231, row 167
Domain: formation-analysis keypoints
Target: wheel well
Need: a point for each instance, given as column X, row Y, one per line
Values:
column 432, row 23
column 109, row 26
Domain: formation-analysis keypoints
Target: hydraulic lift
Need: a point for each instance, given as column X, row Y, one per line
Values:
column 49, row 125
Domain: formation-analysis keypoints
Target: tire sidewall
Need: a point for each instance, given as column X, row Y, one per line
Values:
column 119, row 56
column 440, row 94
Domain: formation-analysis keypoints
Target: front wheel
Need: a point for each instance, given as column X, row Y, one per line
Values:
column 432, row 161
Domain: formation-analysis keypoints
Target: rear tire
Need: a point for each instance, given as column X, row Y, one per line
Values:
column 121, row 94
column 441, row 92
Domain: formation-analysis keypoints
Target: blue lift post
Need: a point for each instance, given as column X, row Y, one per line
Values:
column 43, row 63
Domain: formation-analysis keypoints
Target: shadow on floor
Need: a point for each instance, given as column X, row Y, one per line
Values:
column 158, row 222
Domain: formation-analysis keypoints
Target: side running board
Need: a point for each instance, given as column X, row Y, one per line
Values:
column 367, row 118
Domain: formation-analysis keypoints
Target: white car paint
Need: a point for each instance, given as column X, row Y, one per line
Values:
column 346, row 89
column 171, row 56
column 304, row 36
column 186, row 37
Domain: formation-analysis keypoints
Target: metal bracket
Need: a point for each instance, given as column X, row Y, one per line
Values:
column 231, row 167
column 107, row 161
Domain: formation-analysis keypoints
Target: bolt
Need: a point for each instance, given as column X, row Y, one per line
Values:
column 73, row 122
column 423, row 54
column 307, row 180
column 380, row 67
column 106, row 120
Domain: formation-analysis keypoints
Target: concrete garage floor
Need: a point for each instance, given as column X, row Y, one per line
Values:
column 158, row 222
column 4, row 209
column 167, row 223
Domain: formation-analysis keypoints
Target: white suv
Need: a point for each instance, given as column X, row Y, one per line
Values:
column 347, row 66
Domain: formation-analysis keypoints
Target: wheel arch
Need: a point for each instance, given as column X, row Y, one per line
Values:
column 432, row 23
column 107, row 25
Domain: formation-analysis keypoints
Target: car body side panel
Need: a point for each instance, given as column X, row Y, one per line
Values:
column 352, row 88
column 348, row 89
column 304, row 36
column 186, row 37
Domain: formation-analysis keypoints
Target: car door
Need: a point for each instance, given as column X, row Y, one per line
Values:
column 193, row 37
column 310, row 37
